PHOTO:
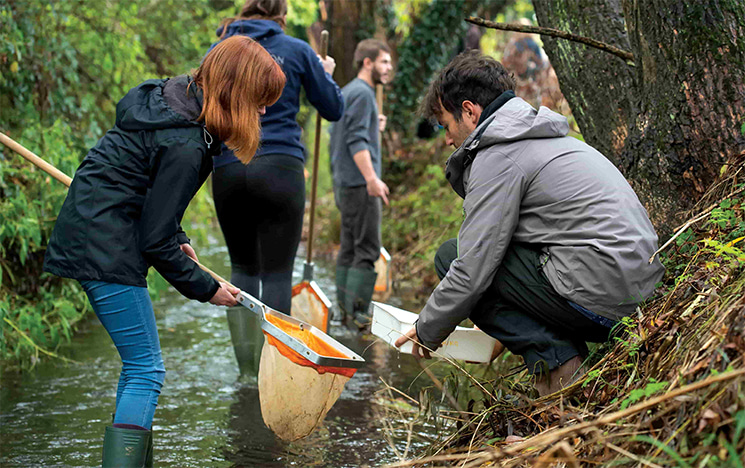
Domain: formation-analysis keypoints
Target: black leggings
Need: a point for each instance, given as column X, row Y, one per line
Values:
column 260, row 208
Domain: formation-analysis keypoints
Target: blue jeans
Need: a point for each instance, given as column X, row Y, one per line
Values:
column 127, row 314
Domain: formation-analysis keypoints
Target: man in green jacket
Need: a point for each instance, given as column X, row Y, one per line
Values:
column 555, row 245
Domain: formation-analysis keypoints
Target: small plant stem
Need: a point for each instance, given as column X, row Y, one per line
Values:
column 36, row 346
column 445, row 392
column 681, row 229
column 632, row 456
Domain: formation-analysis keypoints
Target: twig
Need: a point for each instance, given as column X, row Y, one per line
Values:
column 36, row 346
column 624, row 54
column 681, row 229
column 447, row 394
column 632, row 456
column 441, row 387
column 389, row 387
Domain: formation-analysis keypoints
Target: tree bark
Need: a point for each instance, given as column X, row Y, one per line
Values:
column 671, row 121
column 595, row 83
column 346, row 29
column 691, row 75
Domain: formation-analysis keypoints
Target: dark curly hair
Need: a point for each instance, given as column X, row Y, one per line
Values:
column 470, row 76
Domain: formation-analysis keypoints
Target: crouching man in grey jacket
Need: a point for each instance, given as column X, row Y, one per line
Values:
column 555, row 244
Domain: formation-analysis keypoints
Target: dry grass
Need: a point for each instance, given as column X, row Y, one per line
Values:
column 668, row 391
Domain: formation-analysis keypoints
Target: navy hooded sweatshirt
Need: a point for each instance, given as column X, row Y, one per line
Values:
column 280, row 132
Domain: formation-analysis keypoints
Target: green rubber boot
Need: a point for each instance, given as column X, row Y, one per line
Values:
column 341, row 292
column 360, row 288
column 247, row 338
column 127, row 448
column 149, row 456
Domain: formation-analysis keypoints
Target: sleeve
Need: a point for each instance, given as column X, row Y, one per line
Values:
column 356, row 120
column 492, row 207
column 181, row 236
column 322, row 91
column 173, row 186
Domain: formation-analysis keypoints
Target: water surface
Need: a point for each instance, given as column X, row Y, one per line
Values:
column 55, row 416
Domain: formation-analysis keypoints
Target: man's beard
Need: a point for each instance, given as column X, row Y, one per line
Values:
column 376, row 76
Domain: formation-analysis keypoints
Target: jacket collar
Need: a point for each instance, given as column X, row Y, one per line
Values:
column 463, row 157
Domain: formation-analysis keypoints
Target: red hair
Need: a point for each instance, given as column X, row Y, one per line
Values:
column 238, row 76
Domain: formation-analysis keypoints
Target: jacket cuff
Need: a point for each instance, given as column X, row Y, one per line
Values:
column 210, row 292
column 181, row 238
column 433, row 345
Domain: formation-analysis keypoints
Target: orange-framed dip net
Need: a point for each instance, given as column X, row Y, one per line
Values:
column 382, row 289
column 311, row 340
column 311, row 305
column 302, row 372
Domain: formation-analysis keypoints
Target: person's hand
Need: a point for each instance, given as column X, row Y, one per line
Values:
column 378, row 188
column 381, row 122
column 189, row 250
column 226, row 296
column 329, row 64
column 417, row 350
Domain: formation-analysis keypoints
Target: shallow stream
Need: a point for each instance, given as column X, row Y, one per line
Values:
column 55, row 416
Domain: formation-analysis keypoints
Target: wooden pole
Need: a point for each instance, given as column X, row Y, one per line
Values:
column 35, row 160
column 316, row 156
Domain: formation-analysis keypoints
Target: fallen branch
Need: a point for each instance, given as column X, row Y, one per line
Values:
column 624, row 54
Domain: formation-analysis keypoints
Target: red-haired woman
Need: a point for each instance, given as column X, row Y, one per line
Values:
column 124, row 208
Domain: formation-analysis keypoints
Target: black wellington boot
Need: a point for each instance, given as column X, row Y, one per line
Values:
column 127, row 448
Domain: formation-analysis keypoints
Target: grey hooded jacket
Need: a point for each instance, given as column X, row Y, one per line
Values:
column 529, row 182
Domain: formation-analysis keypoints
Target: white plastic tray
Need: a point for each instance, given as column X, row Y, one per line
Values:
column 467, row 344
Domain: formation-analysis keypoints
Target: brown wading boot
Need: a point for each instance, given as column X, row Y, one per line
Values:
column 561, row 377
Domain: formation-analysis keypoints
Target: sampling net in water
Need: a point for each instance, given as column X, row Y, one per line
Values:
column 310, row 304
column 296, row 393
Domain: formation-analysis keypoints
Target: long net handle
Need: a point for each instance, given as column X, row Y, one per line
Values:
column 316, row 156
column 62, row 177
column 379, row 97
column 35, row 160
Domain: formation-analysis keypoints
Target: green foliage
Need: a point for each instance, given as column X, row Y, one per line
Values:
column 625, row 333
column 433, row 40
column 727, row 250
column 652, row 388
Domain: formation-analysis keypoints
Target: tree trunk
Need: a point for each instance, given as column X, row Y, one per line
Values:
column 672, row 119
column 348, row 23
column 594, row 82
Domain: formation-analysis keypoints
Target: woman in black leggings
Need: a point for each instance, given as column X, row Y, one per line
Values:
column 260, row 206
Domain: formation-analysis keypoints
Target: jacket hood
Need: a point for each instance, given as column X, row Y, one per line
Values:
column 146, row 108
column 515, row 120
column 256, row 29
